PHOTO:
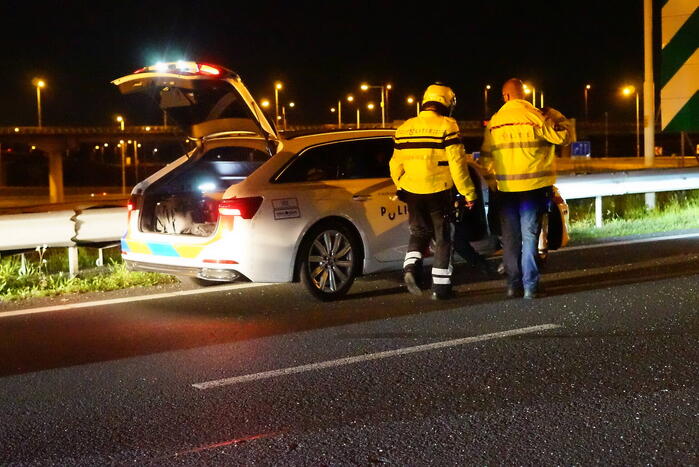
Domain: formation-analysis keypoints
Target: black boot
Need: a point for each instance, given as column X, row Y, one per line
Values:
column 442, row 292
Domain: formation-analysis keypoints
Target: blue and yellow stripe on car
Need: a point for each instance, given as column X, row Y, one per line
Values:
column 161, row 249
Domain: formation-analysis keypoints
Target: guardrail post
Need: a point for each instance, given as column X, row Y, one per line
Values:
column 650, row 201
column 598, row 211
column 73, row 266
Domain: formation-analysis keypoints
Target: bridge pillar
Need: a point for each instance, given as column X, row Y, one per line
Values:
column 56, row 175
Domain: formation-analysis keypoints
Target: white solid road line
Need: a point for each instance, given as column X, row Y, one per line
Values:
column 371, row 356
column 626, row 242
column 140, row 298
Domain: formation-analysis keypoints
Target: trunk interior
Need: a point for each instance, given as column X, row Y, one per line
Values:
column 185, row 201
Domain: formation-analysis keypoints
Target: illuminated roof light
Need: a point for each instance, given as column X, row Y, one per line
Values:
column 207, row 186
column 209, row 70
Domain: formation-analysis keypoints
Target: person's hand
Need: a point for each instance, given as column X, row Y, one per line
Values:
column 552, row 114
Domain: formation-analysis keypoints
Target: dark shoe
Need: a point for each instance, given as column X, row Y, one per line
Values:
column 411, row 283
column 442, row 292
column 513, row 292
column 531, row 294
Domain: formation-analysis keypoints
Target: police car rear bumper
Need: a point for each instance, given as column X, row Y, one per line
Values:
column 222, row 275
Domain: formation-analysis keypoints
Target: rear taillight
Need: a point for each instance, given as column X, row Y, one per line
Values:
column 242, row 207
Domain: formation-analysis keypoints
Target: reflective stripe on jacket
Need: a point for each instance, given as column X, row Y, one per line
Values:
column 518, row 147
column 428, row 156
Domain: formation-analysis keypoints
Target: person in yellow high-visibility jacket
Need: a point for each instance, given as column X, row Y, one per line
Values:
column 428, row 160
column 518, row 149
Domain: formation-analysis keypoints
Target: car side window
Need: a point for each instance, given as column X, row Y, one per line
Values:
column 341, row 161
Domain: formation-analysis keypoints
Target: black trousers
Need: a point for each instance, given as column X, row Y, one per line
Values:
column 428, row 217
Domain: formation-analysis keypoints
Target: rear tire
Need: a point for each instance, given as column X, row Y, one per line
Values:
column 329, row 260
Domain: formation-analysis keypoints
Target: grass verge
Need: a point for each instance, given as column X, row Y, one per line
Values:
column 35, row 280
column 627, row 216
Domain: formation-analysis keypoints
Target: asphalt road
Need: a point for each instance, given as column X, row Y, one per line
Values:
column 602, row 370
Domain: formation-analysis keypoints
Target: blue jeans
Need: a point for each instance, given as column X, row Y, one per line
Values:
column 520, row 220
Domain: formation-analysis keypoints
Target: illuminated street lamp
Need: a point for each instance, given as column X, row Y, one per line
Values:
column 530, row 90
column 291, row 106
column 485, row 101
column 366, row 87
column 120, row 120
column 339, row 112
column 587, row 91
column 39, row 84
column 627, row 91
column 264, row 103
column 411, row 100
column 350, row 99
column 277, row 87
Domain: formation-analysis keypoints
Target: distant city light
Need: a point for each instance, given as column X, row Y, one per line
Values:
column 16, row 130
column 333, row 109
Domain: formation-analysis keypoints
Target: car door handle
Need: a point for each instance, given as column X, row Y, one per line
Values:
column 361, row 197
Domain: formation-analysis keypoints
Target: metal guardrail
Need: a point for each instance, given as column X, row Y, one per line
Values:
column 68, row 228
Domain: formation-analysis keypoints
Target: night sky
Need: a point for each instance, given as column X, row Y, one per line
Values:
column 321, row 51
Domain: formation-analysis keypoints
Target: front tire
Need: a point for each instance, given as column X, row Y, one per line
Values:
column 330, row 256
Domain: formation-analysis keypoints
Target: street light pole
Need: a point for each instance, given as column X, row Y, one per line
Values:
column 485, row 101
column 587, row 90
column 638, row 128
column 366, row 87
column 277, row 88
column 339, row 113
column 38, row 83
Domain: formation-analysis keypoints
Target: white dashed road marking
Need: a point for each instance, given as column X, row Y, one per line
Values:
column 369, row 357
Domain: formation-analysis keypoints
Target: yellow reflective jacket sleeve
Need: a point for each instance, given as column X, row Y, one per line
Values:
column 458, row 165
column 553, row 133
column 395, row 165
column 486, row 158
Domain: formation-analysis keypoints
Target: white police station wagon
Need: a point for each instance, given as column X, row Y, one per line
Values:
column 248, row 203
